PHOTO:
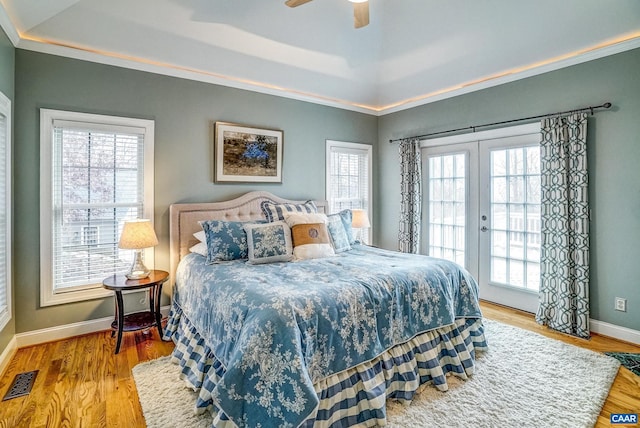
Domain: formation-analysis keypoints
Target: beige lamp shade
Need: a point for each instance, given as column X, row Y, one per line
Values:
column 360, row 219
column 137, row 234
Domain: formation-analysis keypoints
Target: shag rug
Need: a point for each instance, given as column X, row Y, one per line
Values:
column 629, row 360
column 524, row 380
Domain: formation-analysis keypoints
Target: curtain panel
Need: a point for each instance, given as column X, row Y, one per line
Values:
column 564, row 259
column 411, row 196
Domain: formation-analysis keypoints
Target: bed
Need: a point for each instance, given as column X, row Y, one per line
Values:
column 314, row 343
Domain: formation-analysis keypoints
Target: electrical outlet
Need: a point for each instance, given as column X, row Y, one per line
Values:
column 621, row 304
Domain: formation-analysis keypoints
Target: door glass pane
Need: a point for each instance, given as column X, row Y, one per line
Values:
column 515, row 220
column 447, row 206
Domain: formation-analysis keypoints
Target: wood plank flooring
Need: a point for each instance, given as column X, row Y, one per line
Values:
column 81, row 382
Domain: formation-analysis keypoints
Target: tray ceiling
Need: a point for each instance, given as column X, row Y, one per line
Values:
column 413, row 51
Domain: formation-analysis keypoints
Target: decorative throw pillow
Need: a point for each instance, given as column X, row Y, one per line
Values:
column 226, row 240
column 310, row 235
column 338, row 234
column 346, row 216
column 275, row 212
column 269, row 242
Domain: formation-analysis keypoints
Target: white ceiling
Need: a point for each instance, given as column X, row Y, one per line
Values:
column 413, row 52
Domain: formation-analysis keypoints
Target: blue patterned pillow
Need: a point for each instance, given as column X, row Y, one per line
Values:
column 338, row 234
column 275, row 212
column 269, row 242
column 226, row 240
column 346, row 216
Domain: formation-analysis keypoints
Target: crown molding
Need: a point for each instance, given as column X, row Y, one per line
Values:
column 166, row 69
column 585, row 55
column 8, row 27
column 622, row 44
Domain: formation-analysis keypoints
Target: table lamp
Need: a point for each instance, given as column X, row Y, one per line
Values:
column 359, row 220
column 137, row 235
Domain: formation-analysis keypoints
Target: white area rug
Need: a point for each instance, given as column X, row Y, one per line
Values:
column 524, row 380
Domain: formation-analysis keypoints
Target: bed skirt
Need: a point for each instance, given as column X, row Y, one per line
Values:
column 355, row 396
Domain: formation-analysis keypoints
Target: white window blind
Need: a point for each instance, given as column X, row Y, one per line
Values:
column 5, row 210
column 349, row 179
column 97, row 181
column 348, row 176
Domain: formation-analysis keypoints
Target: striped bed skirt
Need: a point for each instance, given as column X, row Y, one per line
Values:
column 356, row 396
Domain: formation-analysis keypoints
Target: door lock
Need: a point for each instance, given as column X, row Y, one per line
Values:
column 484, row 228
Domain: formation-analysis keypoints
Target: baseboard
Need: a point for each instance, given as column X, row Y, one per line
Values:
column 8, row 353
column 615, row 331
column 36, row 337
column 51, row 334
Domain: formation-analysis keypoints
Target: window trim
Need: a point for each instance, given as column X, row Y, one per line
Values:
column 5, row 110
column 49, row 297
column 330, row 144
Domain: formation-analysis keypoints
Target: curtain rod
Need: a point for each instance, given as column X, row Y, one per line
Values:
column 473, row 128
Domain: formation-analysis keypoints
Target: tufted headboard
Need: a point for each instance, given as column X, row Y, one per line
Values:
column 184, row 218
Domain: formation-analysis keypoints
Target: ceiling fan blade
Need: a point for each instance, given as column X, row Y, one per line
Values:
column 296, row 3
column 360, row 14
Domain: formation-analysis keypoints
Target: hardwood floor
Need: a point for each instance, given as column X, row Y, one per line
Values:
column 81, row 382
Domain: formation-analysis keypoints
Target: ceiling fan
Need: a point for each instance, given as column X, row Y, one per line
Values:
column 360, row 10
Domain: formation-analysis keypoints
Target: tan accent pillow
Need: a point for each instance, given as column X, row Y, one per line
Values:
column 312, row 233
column 310, row 236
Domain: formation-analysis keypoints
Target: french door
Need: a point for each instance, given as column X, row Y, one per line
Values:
column 482, row 209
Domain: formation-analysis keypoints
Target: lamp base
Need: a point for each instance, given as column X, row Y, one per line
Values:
column 138, row 270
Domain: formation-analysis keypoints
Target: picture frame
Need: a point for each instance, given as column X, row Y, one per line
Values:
column 246, row 154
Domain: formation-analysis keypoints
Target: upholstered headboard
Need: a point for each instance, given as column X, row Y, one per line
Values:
column 184, row 218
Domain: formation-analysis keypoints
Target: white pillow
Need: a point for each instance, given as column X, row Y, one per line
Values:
column 302, row 218
column 310, row 235
column 201, row 236
column 199, row 248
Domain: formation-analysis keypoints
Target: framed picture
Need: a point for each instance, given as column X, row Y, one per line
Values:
column 244, row 154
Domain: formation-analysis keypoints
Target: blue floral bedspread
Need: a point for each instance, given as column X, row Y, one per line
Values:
column 281, row 327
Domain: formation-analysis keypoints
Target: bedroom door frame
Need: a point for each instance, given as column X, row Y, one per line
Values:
column 476, row 148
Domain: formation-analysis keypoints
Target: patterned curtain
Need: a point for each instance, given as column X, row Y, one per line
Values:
column 564, row 259
column 411, row 196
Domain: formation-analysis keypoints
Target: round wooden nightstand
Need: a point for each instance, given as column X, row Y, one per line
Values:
column 136, row 320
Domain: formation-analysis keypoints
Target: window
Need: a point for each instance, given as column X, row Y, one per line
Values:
column 515, row 216
column 349, row 179
column 5, row 210
column 446, row 196
column 96, row 172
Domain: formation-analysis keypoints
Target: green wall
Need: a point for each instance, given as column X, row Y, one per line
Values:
column 183, row 111
column 614, row 162
column 7, row 66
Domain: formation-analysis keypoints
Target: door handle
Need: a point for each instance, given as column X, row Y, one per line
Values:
column 484, row 228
